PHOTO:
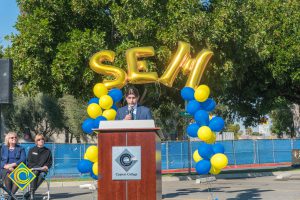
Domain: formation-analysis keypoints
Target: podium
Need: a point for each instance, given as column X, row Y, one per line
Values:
column 129, row 160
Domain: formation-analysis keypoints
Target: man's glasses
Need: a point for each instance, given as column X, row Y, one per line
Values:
column 40, row 139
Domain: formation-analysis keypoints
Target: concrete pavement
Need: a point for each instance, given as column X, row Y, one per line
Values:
column 251, row 185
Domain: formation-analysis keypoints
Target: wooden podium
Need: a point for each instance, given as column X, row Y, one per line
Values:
column 129, row 160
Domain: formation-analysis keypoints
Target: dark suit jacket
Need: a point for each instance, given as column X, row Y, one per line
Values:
column 142, row 112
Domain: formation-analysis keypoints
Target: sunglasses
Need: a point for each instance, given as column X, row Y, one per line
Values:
column 13, row 138
column 40, row 139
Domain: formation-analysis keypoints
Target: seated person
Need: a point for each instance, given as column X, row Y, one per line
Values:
column 40, row 157
column 12, row 155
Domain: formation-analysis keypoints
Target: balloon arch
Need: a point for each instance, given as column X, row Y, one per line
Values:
column 209, row 157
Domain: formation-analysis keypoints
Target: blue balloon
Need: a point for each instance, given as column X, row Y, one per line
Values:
column 88, row 125
column 192, row 107
column 97, row 121
column 85, row 166
column 205, row 151
column 218, row 148
column 203, row 167
column 202, row 118
column 114, row 107
column 208, row 105
column 192, row 130
column 216, row 124
column 93, row 100
column 116, row 94
column 93, row 175
column 187, row 93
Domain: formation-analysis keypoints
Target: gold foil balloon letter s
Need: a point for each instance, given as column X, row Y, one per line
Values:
column 96, row 64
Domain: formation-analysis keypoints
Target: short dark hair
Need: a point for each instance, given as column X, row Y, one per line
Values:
column 132, row 90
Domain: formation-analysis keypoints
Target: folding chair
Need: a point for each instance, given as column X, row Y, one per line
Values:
column 46, row 195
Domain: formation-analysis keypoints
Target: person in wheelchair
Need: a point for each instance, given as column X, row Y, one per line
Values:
column 39, row 160
column 12, row 155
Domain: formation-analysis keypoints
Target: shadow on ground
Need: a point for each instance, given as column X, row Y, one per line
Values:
column 63, row 195
column 253, row 193
column 183, row 192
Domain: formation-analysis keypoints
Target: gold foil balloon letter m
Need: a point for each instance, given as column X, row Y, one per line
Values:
column 182, row 60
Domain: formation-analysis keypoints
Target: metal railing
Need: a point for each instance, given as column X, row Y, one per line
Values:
column 175, row 154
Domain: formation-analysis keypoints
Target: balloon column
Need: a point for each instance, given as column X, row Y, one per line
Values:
column 100, row 108
column 90, row 162
column 209, row 157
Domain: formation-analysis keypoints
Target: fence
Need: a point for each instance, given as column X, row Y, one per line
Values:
column 175, row 154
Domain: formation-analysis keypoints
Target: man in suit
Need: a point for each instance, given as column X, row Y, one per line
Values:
column 133, row 111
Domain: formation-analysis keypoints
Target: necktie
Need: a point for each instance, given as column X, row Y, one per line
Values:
column 134, row 114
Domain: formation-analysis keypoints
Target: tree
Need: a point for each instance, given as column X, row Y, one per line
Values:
column 73, row 112
column 235, row 128
column 282, row 120
column 1, row 51
column 169, row 120
column 41, row 114
column 255, row 45
column 249, row 131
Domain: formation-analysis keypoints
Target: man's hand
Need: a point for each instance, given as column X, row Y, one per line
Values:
column 128, row 117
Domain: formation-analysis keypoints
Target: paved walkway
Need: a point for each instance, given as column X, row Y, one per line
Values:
column 234, row 187
column 239, row 189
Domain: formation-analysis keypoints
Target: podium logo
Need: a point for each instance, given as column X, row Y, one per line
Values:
column 22, row 176
column 126, row 160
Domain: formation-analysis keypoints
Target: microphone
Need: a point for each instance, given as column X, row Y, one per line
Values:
column 130, row 111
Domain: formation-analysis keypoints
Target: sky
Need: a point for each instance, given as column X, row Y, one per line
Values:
column 9, row 12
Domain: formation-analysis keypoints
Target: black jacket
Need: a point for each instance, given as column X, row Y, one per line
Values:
column 39, row 157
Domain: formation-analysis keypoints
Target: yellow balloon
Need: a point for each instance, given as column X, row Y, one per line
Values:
column 204, row 133
column 219, row 161
column 196, row 156
column 85, row 157
column 96, row 64
column 158, row 156
column 212, row 139
column 134, row 75
column 100, row 90
column 202, row 93
column 214, row 171
column 94, row 110
column 95, row 168
column 109, row 114
column 92, row 153
column 106, row 102
column 198, row 66
column 181, row 56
